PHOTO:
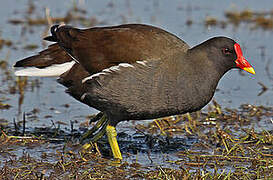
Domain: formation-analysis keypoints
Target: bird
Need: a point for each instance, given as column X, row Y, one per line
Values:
column 133, row 72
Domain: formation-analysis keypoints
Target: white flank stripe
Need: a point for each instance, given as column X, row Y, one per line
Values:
column 108, row 71
column 92, row 76
column 54, row 70
column 114, row 68
column 86, row 79
column 126, row 65
column 83, row 96
column 142, row 63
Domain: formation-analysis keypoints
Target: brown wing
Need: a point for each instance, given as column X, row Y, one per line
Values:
column 100, row 48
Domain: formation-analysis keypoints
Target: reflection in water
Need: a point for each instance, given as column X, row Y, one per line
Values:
column 21, row 84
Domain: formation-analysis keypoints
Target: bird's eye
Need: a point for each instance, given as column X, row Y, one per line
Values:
column 226, row 51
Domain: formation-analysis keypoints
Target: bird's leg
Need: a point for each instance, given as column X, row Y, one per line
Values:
column 112, row 138
column 96, row 118
column 103, row 123
column 90, row 132
column 101, row 132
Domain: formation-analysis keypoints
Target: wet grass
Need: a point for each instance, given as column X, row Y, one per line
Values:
column 226, row 146
column 32, row 17
column 255, row 19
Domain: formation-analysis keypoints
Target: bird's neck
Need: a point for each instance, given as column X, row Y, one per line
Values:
column 201, row 76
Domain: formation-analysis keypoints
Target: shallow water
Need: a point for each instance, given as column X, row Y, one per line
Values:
column 49, row 98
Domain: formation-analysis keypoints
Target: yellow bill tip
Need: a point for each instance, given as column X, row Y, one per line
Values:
column 249, row 69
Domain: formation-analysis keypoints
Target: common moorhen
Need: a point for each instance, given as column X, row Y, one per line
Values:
column 134, row 71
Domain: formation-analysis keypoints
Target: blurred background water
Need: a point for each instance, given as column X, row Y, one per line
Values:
column 184, row 18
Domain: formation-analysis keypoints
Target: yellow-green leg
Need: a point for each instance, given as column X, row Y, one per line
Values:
column 101, row 126
column 90, row 132
column 99, row 135
column 112, row 138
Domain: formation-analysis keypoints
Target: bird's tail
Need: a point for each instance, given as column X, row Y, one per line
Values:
column 52, row 61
